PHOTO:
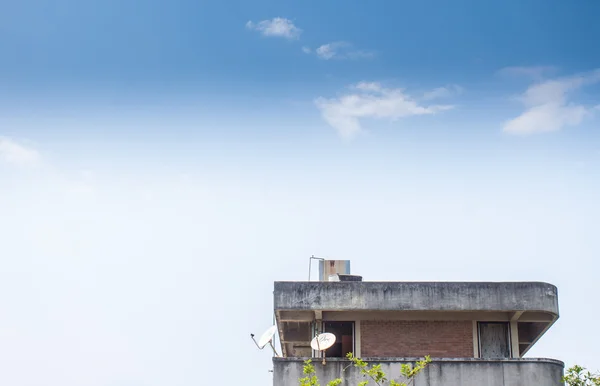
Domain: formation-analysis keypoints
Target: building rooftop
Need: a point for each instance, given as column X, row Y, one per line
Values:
column 417, row 296
column 531, row 306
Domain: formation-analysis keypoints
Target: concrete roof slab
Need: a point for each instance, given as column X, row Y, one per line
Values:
column 417, row 296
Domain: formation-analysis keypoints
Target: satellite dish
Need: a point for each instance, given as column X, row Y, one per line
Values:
column 267, row 337
column 323, row 341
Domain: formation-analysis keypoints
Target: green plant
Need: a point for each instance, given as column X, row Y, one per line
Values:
column 373, row 372
column 579, row 376
column 311, row 379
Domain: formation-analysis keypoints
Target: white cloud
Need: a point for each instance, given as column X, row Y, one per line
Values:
column 370, row 100
column 277, row 26
column 341, row 50
column 535, row 72
column 18, row 154
column 306, row 50
column 328, row 51
column 443, row 92
column 544, row 118
column 548, row 107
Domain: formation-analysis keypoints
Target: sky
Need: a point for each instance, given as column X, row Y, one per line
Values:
column 162, row 163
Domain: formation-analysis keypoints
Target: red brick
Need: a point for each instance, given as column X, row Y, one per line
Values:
column 399, row 338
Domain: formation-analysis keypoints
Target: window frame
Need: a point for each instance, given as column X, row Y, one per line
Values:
column 508, row 338
column 323, row 330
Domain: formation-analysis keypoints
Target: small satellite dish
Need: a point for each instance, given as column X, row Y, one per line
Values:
column 266, row 339
column 323, row 341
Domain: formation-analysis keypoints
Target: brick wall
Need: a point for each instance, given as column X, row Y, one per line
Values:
column 403, row 338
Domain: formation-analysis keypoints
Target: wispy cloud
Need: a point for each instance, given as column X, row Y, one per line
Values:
column 278, row 26
column 306, row 50
column 547, row 105
column 534, row 72
column 18, row 154
column 327, row 51
column 370, row 100
column 443, row 92
column 21, row 156
column 341, row 50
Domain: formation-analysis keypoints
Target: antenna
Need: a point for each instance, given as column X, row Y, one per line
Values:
column 322, row 342
column 266, row 338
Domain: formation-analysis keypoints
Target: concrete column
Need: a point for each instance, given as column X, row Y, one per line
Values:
column 357, row 339
column 514, row 339
column 475, row 340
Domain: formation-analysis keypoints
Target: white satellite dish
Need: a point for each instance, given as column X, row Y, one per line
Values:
column 266, row 339
column 323, row 341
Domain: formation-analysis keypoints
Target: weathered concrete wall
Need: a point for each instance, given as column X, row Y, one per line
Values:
column 441, row 372
column 417, row 296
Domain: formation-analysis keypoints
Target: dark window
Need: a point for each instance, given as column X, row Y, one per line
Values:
column 344, row 338
column 494, row 340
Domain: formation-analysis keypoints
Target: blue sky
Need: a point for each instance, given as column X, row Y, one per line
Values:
column 197, row 65
column 162, row 163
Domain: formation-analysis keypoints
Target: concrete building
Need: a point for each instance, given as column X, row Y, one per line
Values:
column 477, row 333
